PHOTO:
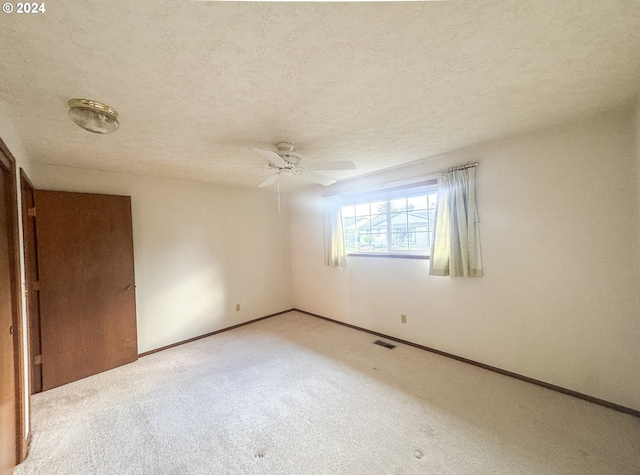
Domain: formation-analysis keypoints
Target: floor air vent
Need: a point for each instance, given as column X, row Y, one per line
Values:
column 385, row 344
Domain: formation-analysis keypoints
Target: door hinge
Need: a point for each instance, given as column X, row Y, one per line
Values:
column 31, row 212
column 37, row 359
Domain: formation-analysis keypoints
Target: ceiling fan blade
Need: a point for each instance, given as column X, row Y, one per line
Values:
column 271, row 156
column 269, row 181
column 322, row 180
column 336, row 165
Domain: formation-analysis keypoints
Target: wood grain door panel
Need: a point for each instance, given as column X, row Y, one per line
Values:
column 7, row 362
column 87, row 287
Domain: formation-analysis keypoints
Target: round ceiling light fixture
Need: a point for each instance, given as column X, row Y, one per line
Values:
column 93, row 116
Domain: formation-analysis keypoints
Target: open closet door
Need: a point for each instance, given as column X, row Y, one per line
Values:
column 87, row 286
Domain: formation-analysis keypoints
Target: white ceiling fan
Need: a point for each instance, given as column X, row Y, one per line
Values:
column 288, row 163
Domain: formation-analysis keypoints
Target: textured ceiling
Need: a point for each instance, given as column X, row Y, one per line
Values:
column 199, row 84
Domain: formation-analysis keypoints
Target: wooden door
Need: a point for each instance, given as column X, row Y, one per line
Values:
column 31, row 281
column 87, row 296
column 11, row 397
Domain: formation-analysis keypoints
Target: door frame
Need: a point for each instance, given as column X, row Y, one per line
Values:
column 8, row 164
column 32, row 307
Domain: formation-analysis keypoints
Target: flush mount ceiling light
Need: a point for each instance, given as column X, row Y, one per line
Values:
column 93, row 116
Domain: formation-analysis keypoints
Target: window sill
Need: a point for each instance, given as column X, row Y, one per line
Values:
column 397, row 256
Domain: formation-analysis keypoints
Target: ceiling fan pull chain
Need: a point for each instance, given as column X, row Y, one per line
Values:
column 279, row 208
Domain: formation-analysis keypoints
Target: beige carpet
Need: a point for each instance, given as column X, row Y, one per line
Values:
column 294, row 394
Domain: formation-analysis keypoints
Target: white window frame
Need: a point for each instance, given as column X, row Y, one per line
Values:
column 387, row 195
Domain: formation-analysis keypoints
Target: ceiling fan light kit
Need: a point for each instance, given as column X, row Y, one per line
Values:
column 93, row 116
column 288, row 163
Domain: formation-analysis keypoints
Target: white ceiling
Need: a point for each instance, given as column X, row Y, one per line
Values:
column 199, row 84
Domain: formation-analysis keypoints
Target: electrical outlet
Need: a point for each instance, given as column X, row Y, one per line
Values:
column 237, row 307
column 403, row 318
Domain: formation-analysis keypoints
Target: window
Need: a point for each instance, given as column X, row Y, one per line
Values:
column 394, row 222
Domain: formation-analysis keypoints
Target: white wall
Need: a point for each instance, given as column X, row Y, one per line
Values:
column 199, row 250
column 558, row 228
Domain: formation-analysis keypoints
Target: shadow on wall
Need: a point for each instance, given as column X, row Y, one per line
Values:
column 183, row 309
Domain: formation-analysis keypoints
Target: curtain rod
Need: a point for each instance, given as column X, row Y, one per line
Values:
column 462, row 167
column 408, row 180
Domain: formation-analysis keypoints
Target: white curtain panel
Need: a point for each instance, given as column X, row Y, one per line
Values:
column 334, row 251
column 455, row 248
